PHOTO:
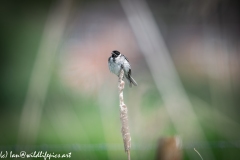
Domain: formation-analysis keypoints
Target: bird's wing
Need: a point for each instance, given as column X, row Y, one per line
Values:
column 125, row 57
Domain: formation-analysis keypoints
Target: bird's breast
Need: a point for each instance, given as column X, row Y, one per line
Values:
column 115, row 66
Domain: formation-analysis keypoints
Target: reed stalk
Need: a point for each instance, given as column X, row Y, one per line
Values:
column 123, row 116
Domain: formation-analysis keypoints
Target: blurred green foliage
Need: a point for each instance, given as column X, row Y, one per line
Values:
column 22, row 25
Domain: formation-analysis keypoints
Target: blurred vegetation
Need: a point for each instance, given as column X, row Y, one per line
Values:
column 72, row 120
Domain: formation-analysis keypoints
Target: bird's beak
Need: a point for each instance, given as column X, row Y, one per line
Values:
column 113, row 53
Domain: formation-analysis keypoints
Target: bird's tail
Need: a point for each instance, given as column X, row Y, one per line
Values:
column 132, row 81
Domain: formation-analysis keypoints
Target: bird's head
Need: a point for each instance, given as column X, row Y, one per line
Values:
column 115, row 53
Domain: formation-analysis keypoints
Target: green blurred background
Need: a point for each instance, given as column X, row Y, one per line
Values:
column 57, row 94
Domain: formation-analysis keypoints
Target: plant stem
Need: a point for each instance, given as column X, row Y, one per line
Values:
column 123, row 116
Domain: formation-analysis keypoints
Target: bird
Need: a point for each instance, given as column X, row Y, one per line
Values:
column 118, row 61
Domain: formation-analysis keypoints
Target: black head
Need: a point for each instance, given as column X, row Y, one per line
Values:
column 115, row 53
